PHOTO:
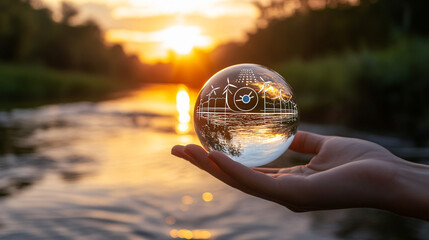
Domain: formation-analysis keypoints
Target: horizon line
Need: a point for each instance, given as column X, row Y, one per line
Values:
column 245, row 113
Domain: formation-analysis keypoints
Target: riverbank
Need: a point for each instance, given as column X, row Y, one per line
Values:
column 27, row 86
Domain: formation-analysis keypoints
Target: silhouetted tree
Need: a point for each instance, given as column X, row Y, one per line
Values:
column 68, row 12
column 29, row 35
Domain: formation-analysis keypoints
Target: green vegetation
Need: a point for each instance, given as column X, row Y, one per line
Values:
column 37, row 83
column 30, row 36
column 376, row 90
column 49, row 61
column 335, row 28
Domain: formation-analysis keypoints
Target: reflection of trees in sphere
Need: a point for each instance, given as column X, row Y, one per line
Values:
column 248, row 112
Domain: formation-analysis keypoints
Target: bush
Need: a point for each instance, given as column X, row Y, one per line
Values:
column 24, row 83
column 382, row 90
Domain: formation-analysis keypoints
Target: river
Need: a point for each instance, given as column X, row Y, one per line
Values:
column 103, row 170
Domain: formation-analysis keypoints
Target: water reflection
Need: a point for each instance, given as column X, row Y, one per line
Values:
column 251, row 139
column 207, row 196
column 190, row 234
column 183, row 106
column 22, row 164
column 105, row 170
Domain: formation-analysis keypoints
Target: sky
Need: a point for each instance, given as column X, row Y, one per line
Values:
column 150, row 29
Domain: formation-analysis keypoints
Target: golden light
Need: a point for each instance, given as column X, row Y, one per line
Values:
column 182, row 39
column 182, row 128
column 275, row 138
column 190, row 234
column 207, row 196
column 183, row 108
column 155, row 44
column 141, row 26
column 182, row 105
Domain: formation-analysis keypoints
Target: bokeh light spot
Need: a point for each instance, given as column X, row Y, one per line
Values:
column 207, row 196
column 187, row 200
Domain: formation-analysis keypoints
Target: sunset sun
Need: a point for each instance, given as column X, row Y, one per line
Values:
column 182, row 39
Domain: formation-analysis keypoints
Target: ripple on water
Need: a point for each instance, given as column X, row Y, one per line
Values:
column 104, row 171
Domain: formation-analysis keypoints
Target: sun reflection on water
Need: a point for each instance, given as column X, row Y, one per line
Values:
column 190, row 234
column 207, row 196
column 183, row 108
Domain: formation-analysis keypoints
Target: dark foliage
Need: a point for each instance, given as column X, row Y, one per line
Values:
column 338, row 27
column 28, row 35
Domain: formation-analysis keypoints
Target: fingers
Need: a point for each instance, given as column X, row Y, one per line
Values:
column 306, row 142
column 199, row 157
column 193, row 153
column 265, row 183
column 255, row 181
column 286, row 187
column 179, row 151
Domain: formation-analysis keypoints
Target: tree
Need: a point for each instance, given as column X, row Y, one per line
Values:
column 68, row 12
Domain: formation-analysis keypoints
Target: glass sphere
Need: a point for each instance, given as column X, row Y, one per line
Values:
column 248, row 112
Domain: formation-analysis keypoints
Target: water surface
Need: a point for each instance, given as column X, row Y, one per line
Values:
column 104, row 171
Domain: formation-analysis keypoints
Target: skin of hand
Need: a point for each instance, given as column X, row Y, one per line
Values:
column 344, row 173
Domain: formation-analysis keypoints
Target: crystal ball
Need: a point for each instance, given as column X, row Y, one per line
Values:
column 248, row 112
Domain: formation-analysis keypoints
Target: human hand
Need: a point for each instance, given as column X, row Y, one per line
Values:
column 344, row 173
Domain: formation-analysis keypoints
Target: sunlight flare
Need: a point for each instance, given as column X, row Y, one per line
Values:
column 183, row 107
column 182, row 39
column 179, row 38
column 190, row 234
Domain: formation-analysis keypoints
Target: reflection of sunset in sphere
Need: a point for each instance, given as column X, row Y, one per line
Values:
column 248, row 112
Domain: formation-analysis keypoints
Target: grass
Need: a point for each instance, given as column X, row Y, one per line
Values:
column 37, row 84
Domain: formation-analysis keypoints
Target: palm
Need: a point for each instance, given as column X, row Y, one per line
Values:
column 341, row 167
column 336, row 177
column 335, row 152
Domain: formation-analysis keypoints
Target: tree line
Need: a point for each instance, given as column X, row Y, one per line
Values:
column 334, row 27
column 29, row 35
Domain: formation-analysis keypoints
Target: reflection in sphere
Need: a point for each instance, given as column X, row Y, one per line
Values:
column 248, row 112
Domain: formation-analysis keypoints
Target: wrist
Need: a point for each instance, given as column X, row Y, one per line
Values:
column 410, row 190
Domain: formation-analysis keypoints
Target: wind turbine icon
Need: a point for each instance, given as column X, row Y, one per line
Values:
column 226, row 90
column 264, row 88
column 213, row 91
column 280, row 97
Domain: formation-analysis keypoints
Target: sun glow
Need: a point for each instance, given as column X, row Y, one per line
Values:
column 182, row 39
column 183, row 108
column 154, row 29
column 190, row 234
